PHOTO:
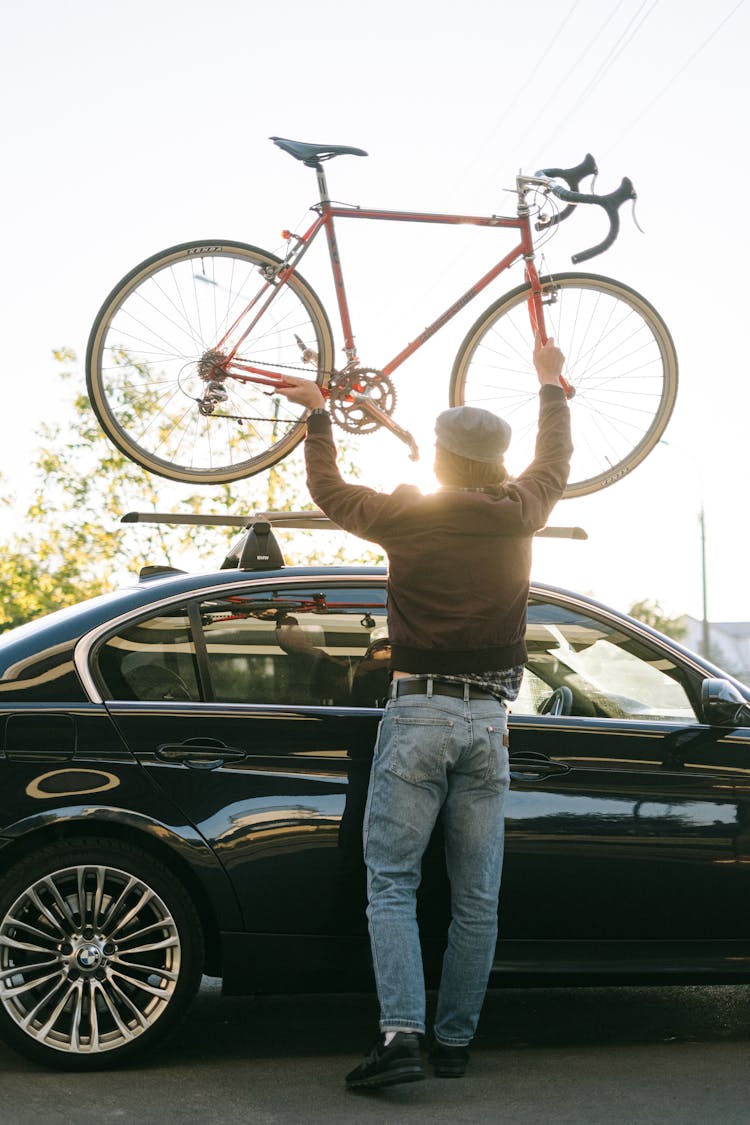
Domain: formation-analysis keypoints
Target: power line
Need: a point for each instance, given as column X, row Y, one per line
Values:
column 450, row 264
column 522, row 89
column 621, row 44
column 573, row 68
column 676, row 75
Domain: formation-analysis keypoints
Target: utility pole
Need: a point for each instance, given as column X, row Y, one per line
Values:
column 706, row 643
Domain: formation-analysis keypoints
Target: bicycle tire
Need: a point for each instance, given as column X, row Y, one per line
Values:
column 161, row 322
column 620, row 360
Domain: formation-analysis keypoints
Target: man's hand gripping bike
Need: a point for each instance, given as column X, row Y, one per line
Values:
column 187, row 351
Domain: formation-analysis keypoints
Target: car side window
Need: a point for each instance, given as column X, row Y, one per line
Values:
column 609, row 672
column 531, row 698
column 301, row 646
column 152, row 659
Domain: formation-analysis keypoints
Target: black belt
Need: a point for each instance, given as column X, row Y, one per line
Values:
column 403, row 686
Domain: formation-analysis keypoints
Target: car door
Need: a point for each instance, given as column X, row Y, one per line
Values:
column 256, row 708
column 623, row 822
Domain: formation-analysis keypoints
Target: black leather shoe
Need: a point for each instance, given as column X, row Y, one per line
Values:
column 386, row 1066
column 447, row 1061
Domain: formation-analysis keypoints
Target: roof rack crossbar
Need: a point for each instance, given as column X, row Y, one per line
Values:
column 299, row 520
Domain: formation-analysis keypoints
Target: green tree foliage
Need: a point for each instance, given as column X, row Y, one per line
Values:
column 72, row 546
column 651, row 613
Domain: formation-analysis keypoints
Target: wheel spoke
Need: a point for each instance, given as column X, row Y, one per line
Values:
column 30, row 985
column 54, row 921
column 171, row 942
column 98, row 903
column 13, row 924
column 32, row 967
column 76, row 1017
column 93, row 987
column 45, row 1029
column 137, row 935
column 147, row 970
column 31, row 947
column 145, row 897
column 80, row 881
column 117, row 904
column 135, row 1011
column 122, row 1027
column 60, row 902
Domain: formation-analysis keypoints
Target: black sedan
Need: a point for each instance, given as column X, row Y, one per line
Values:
column 183, row 770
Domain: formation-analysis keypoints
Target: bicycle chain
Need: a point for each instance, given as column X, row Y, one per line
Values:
column 349, row 414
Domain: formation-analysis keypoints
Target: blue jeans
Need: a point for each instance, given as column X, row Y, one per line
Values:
column 436, row 753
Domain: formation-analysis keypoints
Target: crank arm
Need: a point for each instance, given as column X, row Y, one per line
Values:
column 385, row 420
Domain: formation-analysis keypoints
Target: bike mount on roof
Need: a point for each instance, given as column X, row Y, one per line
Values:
column 258, row 549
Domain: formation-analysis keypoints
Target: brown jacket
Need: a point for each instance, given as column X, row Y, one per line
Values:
column 459, row 559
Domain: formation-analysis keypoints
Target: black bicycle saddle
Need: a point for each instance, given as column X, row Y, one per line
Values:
column 313, row 154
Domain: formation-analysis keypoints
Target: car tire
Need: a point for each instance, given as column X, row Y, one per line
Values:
column 101, row 953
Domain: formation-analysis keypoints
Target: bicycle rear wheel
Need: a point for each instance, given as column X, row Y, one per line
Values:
column 619, row 358
column 161, row 375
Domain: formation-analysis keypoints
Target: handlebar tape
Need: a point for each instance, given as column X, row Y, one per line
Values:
column 570, row 195
column 611, row 204
column 572, row 177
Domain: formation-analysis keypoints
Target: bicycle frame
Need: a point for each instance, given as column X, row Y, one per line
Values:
column 204, row 329
column 327, row 213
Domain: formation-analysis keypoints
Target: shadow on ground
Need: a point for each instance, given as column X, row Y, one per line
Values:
column 263, row 1027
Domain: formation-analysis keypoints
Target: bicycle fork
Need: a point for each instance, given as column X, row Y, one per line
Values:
column 536, row 302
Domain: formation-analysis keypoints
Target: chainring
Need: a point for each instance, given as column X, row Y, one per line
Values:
column 350, row 413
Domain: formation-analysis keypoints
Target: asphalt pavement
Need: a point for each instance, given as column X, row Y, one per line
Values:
column 603, row 1056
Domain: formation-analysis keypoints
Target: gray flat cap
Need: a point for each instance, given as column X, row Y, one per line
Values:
column 475, row 434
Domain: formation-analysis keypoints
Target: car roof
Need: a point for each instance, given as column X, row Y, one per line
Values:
column 74, row 621
column 71, row 622
column 66, row 626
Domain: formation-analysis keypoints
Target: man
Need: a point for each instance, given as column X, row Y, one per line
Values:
column 459, row 565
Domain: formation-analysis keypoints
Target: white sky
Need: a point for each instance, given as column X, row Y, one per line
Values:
column 126, row 129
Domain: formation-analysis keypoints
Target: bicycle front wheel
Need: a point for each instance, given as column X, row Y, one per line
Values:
column 619, row 359
column 170, row 354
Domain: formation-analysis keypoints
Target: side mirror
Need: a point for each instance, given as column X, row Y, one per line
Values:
column 723, row 705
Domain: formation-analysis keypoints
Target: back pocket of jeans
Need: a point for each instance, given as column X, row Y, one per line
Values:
column 498, row 769
column 419, row 748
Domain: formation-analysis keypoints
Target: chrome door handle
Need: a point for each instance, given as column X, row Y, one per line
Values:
column 535, row 768
column 195, row 753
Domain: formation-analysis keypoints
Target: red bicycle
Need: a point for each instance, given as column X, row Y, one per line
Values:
column 187, row 350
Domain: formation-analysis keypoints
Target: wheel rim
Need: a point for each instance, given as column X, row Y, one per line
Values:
column 162, row 352
column 619, row 360
column 89, row 959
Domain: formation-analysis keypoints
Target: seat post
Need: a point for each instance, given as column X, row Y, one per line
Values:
column 322, row 184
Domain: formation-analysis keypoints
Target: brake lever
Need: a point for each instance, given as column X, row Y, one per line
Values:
column 635, row 220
